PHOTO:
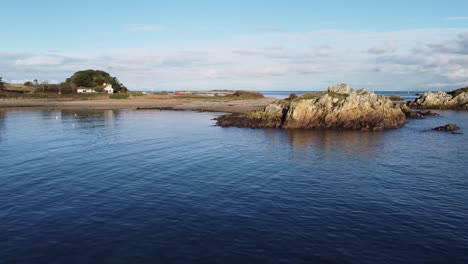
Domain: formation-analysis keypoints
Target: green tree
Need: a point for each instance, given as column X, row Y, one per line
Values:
column 94, row 79
column 118, row 86
column 84, row 80
column 65, row 88
column 2, row 83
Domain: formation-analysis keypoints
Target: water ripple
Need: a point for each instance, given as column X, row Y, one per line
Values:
column 145, row 187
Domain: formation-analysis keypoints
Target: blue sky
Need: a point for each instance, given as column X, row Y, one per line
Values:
column 263, row 45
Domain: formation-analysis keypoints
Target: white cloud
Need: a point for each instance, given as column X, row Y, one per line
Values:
column 17, row 81
column 215, row 74
column 294, row 60
column 387, row 47
column 40, row 61
column 273, row 71
column 445, row 85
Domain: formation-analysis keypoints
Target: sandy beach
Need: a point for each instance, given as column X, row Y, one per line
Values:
column 141, row 102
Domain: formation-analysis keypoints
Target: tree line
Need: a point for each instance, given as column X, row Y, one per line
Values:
column 95, row 79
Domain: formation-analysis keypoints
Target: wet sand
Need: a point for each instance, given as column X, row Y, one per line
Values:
column 142, row 102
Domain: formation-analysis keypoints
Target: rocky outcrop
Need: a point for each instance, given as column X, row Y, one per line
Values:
column 338, row 107
column 457, row 99
column 429, row 113
column 448, row 127
column 270, row 117
column 458, row 91
column 410, row 113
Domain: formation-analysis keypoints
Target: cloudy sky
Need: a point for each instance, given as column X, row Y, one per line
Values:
column 256, row 45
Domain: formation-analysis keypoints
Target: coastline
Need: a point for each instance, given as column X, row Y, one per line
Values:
column 141, row 103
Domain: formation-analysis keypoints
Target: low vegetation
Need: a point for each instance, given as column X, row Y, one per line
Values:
column 243, row 95
column 396, row 97
column 161, row 93
column 308, row 96
column 292, row 96
column 18, row 88
column 237, row 95
column 137, row 94
column 119, row 96
column 2, row 84
column 458, row 91
column 336, row 95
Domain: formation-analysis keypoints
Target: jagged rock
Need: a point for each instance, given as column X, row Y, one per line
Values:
column 270, row 117
column 458, row 91
column 340, row 88
column 457, row 99
column 448, row 127
column 429, row 113
column 409, row 113
column 339, row 107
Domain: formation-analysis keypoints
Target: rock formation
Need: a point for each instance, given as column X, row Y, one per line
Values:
column 457, row 99
column 410, row 113
column 448, row 127
column 338, row 107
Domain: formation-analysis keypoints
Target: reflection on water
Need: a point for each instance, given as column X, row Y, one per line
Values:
column 86, row 116
column 349, row 141
column 2, row 123
column 100, row 123
column 90, row 119
column 90, row 116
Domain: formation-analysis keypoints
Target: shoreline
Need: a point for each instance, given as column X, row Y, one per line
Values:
column 141, row 103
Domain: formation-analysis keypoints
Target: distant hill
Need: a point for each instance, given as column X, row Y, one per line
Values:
column 95, row 78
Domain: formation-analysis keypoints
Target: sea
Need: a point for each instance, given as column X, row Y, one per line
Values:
column 406, row 95
column 127, row 186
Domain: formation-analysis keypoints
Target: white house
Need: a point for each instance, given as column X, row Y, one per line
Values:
column 85, row 90
column 108, row 88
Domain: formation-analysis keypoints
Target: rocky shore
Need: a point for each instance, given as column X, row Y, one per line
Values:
column 339, row 106
column 456, row 100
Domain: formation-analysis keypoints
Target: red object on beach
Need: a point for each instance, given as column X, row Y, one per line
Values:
column 176, row 93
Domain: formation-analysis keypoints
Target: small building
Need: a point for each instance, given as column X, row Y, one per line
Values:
column 85, row 90
column 108, row 88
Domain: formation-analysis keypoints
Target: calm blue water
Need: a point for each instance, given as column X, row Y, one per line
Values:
column 170, row 187
column 407, row 96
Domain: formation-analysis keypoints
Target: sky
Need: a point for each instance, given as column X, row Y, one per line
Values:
column 251, row 45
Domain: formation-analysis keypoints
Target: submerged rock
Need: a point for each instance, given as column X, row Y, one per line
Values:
column 410, row 113
column 429, row 113
column 448, row 127
column 457, row 99
column 338, row 107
